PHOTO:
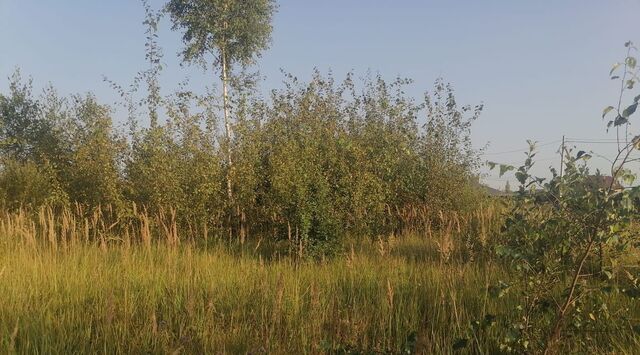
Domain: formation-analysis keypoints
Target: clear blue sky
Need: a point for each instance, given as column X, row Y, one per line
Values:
column 540, row 67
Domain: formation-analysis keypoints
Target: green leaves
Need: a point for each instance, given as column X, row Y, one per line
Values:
column 620, row 120
column 631, row 62
column 505, row 168
column 207, row 28
column 521, row 177
column 630, row 110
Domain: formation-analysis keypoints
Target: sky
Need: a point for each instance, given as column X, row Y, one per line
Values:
column 540, row 67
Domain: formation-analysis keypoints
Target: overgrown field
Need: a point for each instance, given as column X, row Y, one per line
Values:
column 400, row 294
column 329, row 216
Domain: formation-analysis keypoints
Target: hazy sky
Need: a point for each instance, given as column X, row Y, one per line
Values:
column 540, row 67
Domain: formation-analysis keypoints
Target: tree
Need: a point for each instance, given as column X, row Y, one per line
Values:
column 33, row 146
column 232, row 31
column 95, row 179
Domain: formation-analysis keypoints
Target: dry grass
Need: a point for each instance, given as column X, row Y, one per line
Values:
column 70, row 284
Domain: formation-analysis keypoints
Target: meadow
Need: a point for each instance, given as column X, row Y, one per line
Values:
column 320, row 216
column 419, row 292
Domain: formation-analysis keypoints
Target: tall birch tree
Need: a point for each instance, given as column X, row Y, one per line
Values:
column 227, row 33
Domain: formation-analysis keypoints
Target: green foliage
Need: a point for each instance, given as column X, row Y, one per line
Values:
column 334, row 162
column 312, row 163
column 239, row 28
column 27, row 184
column 95, row 178
column 566, row 239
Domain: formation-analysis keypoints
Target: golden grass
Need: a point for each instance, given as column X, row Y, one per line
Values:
column 69, row 285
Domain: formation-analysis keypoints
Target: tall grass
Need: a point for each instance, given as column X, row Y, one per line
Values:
column 75, row 287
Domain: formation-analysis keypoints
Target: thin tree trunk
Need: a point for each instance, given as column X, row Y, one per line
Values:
column 227, row 123
column 550, row 347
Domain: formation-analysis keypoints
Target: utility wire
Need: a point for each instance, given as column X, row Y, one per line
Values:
column 567, row 140
column 522, row 149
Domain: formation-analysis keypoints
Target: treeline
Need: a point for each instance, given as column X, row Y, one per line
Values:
column 313, row 161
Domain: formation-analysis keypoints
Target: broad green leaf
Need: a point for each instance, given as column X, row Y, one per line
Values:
column 620, row 120
column 504, row 168
column 629, row 110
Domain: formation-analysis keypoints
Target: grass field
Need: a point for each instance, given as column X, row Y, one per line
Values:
column 377, row 298
column 68, row 286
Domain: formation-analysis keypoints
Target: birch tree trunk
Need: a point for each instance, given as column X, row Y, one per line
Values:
column 227, row 123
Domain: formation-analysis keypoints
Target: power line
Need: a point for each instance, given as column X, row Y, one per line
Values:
column 522, row 149
column 592, row 139
column 567, row 140
column 593, row 142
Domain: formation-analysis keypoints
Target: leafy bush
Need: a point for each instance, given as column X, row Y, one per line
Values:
column 567, row 239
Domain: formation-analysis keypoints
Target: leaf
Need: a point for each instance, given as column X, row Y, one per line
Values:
column 615, row 77
column 636, row 99
column 504, row 168
column 522, row 177
column 630, row 84
column 606, row 110
column 631, row 62
column 629, row 110
column 636, row 142
column 491, row 165
column 532, row 145
column 460, row 344
column 619, row 121
column 615, row 66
